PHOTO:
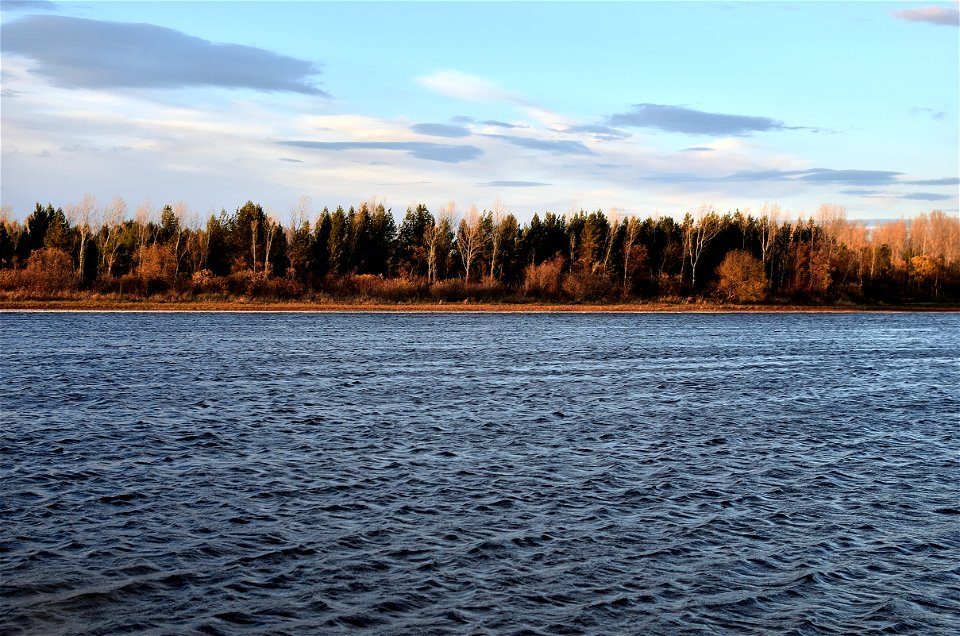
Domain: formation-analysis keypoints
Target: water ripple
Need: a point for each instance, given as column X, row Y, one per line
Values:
column 481, row 474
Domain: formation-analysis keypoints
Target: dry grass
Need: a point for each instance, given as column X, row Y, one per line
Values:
column 105, row 303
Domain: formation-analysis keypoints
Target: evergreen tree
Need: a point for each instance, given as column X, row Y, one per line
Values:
column 381, row 241
column 339, row 243
column 411, row 246
column 321, row 245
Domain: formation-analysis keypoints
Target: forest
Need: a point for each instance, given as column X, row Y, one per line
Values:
column 363, row 254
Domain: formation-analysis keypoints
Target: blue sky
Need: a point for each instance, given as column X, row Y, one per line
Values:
column 647, row 108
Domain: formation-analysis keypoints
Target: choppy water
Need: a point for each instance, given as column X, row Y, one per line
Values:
column 481, row 474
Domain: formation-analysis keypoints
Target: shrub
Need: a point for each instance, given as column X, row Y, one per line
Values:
column 585, row 284
column 49, row 270
column 453, row 290
column 742, row 278
column 544, row 280
column 489, row 289
column 205, row 282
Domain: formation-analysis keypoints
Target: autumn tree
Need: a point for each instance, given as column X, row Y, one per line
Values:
column 544, row 280
column 49, row 270
column 741, row 277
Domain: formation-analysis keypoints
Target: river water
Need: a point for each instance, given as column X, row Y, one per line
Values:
column 479, row 474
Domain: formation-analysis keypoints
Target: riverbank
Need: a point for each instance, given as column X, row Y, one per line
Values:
column 246, row 305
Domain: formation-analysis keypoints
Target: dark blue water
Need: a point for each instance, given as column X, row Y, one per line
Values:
column 479, row 474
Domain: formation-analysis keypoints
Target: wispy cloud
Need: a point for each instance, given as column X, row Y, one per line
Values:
column 28, row 5
column 553, row 146
column 693, row 122
column 926, row 196
column 82, row 53
column 473, row 88
column 440, row 130
column 947, row 181
column 931, row 15
column 512, row 184
column 851, row 177
column 698, row 149
column 606, row 133
column 813, row 175
column 466, row 87
column 500, row 124
column 934, row 114
column 419, row 149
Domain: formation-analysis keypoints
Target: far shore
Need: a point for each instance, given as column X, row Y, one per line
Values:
column 242, row 305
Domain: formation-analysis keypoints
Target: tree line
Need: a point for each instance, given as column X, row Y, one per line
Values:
column 363, row 253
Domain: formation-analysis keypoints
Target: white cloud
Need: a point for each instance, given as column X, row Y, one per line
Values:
column 932, row 15
column 221, row 153
column 471, row 88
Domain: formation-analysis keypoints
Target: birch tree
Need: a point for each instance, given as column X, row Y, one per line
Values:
column 111, row 235
column 633, row 252
column 81, row 217
column 769, row 224
column 697, row 233
column 471, row 240
column 270, row 228
column 437, row 237
column 496, row 236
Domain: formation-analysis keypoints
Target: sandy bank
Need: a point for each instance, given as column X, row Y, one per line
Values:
column 300, row 306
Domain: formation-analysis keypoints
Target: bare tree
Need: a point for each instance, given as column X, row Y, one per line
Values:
column 471, row 240
column 613, row 225
column 633, row 253
column 742, row 219
column 180, row 213
column 299, row 214
column 195, row 250
column 437, row 236
column 110, row 235
column 496, row 235
column 143, row 219
column 832, row 218
column 769, row 225
column 82, row 217
column 269, row 232
column 254, row 235
column 697, row 233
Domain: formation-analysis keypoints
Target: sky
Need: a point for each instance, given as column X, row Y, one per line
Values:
column 645, row 108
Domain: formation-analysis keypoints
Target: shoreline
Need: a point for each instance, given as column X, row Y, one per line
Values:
column 240, row 306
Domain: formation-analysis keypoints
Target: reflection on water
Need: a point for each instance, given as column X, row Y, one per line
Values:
column 554, row 474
